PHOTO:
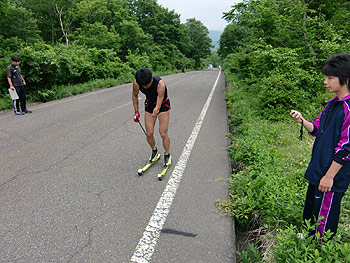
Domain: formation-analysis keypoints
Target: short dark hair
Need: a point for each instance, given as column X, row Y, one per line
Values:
column 143, row 76
column 15, row 58
column 338, row 66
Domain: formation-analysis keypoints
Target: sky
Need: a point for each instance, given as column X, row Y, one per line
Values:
column 209, row 12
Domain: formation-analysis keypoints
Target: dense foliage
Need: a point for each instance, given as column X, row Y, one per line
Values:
column 278, row 47
column 63, row 42
column 273, row 52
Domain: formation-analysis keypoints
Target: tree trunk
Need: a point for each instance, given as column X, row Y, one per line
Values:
column 65, row 33
column 306, row 35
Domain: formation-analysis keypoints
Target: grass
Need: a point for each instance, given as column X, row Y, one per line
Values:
column 267, row 187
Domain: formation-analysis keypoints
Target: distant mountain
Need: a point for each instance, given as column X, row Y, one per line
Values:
column 215, row 37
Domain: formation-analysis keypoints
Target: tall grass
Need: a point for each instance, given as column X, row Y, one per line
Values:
column 267, row 187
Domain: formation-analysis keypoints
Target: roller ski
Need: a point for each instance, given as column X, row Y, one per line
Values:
column 166, row 164
column 152, row 159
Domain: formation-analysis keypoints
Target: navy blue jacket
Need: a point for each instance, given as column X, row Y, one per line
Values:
column 332, row 143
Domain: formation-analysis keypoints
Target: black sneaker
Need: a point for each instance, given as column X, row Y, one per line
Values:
column 167, row 159
column 27, row 111
column 154, row 156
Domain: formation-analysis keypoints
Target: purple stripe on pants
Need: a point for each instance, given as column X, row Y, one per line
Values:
column 324, row 212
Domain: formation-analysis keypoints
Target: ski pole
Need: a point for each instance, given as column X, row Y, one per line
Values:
column 142, row 128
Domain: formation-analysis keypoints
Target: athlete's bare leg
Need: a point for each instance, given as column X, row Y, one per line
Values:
column 150, row 122
column 163, row 118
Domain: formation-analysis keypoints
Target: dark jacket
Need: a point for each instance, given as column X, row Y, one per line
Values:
column 332, row 143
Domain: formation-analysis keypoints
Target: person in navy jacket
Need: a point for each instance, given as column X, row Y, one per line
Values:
column 328, row 172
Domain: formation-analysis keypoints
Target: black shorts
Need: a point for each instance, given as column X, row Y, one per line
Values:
column 149, row 106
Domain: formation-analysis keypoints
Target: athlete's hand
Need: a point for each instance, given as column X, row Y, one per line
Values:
column 155, row 112
column 136, row 116
column 296, row 115
column 326, row 184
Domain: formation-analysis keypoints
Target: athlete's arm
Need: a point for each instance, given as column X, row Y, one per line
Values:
column 9, row 80
column 296, row 116
column 160, row 97
column 24, row 82
column 135, row 95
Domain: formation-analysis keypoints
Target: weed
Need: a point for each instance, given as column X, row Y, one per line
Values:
column 267, row 187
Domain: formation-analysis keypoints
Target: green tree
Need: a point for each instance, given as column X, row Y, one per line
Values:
column 54, row 17
column 18, row 23
column 213, row 59
column 200, row 42
column 285, row 23
column 276, row 23
column 162, row 25
column 132, row 38
column 107, row 12
column 334, row 11
column 232, row 39
column 3, row 6
column 73, row 41
column 97, row 35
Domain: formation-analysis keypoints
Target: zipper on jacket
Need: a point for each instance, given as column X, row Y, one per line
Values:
column 328, row 113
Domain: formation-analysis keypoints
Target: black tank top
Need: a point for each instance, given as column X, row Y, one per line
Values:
column 151, row 93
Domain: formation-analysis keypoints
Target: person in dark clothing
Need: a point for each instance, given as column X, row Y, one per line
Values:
column 329, row 170
column 16, row 82
column 157, row 105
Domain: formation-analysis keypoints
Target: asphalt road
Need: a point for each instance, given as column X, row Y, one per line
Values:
column 69, row 189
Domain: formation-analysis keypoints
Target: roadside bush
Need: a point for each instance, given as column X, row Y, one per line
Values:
column 278, row 93
column 267, row 187
column 294, row 246
column 5, row 102
column 273, row 189
column 5, row 60
column 45, row 66
column 279, row 77
column 136, row 60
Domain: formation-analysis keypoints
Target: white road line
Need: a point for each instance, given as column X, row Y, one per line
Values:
column 148, row 242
